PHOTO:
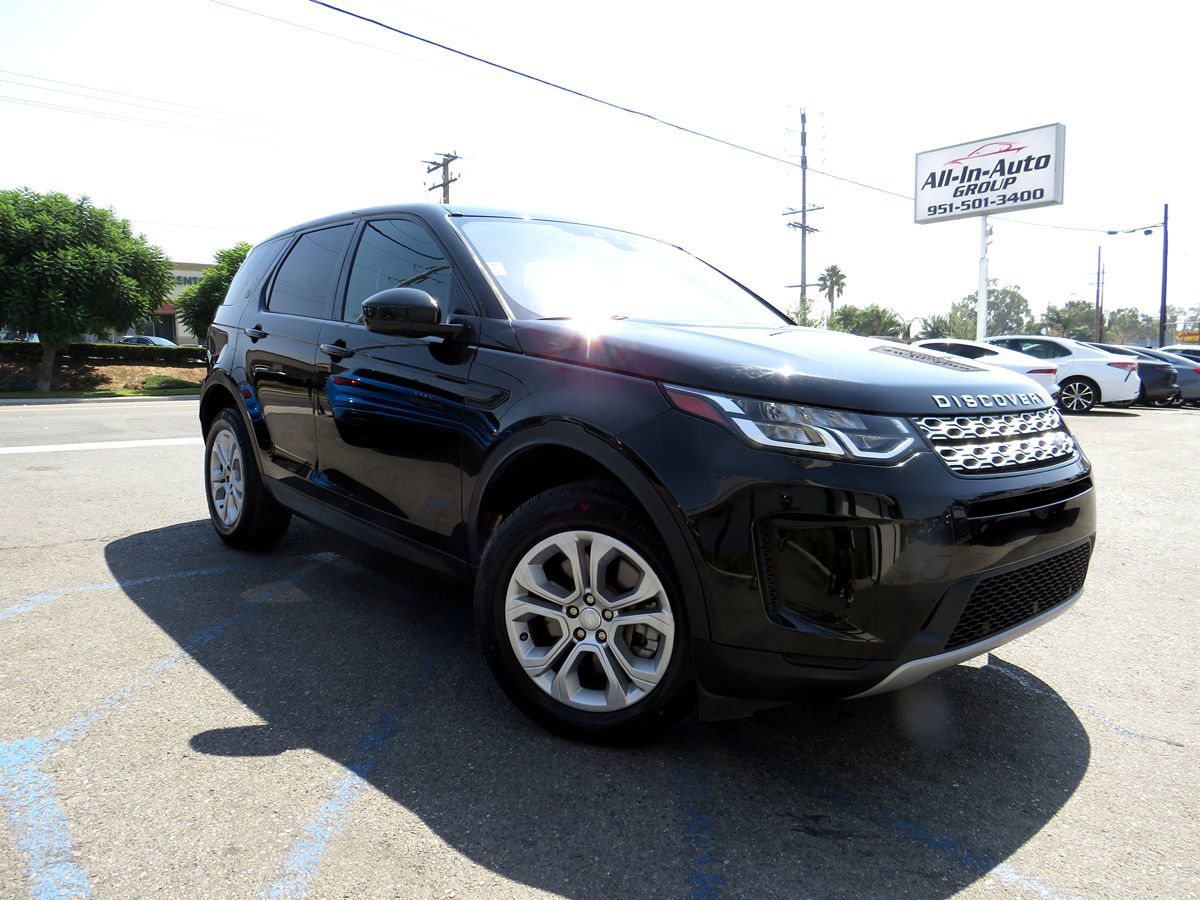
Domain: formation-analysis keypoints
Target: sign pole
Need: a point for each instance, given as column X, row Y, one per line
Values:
column 982, row 298
column 1162, row 309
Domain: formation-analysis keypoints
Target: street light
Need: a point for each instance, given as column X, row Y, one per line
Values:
column 1162, row 309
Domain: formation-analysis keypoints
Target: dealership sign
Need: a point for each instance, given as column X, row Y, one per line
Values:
column 998, row 174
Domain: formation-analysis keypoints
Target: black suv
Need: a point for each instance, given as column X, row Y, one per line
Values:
column 668, row 497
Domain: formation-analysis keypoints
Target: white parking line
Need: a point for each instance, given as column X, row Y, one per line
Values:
column 103, row 445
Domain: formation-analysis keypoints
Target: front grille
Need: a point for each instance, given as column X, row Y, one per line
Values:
column 1000, row 442
column 1004, row 601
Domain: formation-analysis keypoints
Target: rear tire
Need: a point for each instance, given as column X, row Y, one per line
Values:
column 581, row 618
column 1078, row 395
column 1175, row 399
column 242, row 512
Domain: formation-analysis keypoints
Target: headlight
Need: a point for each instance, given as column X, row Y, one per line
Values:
column 807, row 429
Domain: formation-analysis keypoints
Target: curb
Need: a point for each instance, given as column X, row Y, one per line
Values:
column 48, row 401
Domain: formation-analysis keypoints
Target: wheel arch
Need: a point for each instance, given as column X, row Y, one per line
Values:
column 545, row 456
column 217, row 395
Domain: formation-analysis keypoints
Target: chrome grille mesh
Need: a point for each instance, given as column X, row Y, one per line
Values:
column 1004, row 441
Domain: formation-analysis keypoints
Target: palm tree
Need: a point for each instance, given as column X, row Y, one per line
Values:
column 832, row 283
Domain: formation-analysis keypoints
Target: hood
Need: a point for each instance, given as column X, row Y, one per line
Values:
column 800, row 365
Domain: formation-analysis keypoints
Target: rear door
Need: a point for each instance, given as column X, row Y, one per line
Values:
column 282, row 343
column 392, row 411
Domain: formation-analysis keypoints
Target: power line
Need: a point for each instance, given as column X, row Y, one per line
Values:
column 38, row 87
column 585, row 96
column 329, row 34
column 1078, row 227
column 87, row 87
column 115, row 117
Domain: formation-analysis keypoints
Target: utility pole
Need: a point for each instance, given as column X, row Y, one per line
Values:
column 803, row 211
column 1099, row 309
column 981, row 299
column 1162, row 309
column 444, row 165
column 803, row 206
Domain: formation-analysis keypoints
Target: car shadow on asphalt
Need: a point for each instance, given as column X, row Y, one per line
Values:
column 373, row 664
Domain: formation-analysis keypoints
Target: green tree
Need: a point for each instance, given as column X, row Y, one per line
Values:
column 802, row 314
column 1008, row 313
column 1074, row 319
column 1124, row 326
column 935, row 327
column 198, row 303
column 68, row 267
column 872, row 319
column 832, row 282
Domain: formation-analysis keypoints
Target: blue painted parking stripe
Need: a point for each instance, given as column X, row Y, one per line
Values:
column 38, row 822
column 1011, row 672
column 34, row 814
column 33, row 601
column 978, row 862
column 701, row 829
column 303, row 858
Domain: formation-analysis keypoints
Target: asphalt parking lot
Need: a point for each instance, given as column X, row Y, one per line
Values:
column 180, row 719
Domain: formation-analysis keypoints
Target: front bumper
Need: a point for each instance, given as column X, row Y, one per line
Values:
column 842, row 579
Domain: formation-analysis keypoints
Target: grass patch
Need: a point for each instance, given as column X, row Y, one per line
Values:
column 166, row 383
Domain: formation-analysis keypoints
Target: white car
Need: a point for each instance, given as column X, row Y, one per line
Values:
column 1087, row 376
column 1044, row 373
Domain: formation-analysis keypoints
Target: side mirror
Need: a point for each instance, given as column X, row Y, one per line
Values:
column 408, row 312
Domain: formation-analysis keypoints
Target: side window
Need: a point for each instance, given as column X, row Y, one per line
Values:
column 1044, row 350
column 253, row 268
column 308, row 277
column 943, row 348
column 970, row 351
column 397, row 253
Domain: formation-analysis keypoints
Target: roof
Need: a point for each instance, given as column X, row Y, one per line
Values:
column 436, row 210
column 429, row 210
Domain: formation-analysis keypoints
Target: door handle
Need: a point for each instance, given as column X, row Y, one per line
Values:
column 337, row 351
column 255, row 333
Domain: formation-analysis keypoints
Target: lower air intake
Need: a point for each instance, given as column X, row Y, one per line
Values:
column 1003, row 601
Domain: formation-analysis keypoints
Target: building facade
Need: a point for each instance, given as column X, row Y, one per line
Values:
column 165, row 322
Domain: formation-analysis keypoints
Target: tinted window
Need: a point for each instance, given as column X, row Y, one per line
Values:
column 943, row 348
column 253, row 268
column 1042, row 349
column 970, row 351
column 397, row 253
column 308, row 277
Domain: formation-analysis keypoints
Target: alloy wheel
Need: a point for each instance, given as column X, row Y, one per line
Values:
column 1078, row 396
column 226, row 482
column 589, row 621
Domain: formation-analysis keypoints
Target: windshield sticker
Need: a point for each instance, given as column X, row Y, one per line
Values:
column 498, row 269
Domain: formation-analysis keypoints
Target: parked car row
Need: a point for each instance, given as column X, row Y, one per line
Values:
column 1086, row 373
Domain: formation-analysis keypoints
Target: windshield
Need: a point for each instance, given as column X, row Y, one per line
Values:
column 552, row 270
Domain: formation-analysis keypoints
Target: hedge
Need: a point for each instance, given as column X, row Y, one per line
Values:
column 31, row 352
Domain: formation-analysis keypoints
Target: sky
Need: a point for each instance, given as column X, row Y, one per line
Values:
column 206, row 123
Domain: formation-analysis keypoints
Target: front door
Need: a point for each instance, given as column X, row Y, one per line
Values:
column 391, row 411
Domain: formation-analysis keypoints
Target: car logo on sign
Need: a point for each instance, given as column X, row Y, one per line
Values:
column 995, row 148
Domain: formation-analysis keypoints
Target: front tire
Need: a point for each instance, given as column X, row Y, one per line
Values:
column 242, row 512
column 1078, row 395
column 581, row 618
